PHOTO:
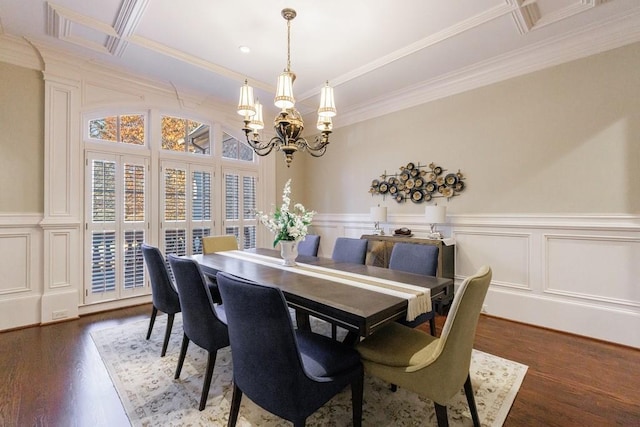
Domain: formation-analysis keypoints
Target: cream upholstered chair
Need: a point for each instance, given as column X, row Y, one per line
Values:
column 226, row 242
column 435, row 368
column 212, row 244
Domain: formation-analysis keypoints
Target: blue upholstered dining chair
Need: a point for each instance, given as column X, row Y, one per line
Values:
column 165, row 297
column 348, row 249
column 418, row 259
column 203, row 322
column 309, row 245
column 288, row 372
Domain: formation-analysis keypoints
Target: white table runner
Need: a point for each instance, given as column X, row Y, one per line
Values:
column 419, row 298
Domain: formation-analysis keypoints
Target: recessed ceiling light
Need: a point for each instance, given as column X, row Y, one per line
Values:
column 244, row 49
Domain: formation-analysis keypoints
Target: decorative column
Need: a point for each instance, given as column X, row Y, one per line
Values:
column 61, row 225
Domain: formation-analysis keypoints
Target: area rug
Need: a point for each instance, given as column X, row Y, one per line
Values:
column 152, row 397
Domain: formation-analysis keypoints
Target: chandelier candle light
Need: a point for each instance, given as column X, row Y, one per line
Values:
column 288, row 123
column 289, row 226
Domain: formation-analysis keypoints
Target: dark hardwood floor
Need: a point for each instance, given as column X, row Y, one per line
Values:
column 53, row 375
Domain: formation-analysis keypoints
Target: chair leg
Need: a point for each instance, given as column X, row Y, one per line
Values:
column 334, row 331
column 236, row 398
column 357, row 387
column 154, row 312
column 167, row 334
column 207, row 379
column 468, row 390
column 432, row 325
column 183, row 353
column 441, row 415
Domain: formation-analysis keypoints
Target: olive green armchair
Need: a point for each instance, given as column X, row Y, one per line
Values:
column 435, row 368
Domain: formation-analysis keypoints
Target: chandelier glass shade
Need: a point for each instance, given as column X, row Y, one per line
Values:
column 288, row 124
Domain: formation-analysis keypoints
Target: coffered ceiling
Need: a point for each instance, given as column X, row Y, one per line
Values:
column 380, row 56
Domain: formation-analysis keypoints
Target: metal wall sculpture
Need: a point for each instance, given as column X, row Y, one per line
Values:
column 418, row 183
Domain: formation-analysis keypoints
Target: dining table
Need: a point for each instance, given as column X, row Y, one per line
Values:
column 343, row 294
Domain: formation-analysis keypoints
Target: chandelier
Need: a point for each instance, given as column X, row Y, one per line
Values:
column 288, row 123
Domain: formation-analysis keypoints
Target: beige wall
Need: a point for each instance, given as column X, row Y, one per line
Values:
column 565, row 140
column 295, row 172
column 21, row 139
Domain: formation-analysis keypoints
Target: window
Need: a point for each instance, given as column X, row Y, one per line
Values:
column 122, row 181
column 125, row 129
column 185, row 135
column 116, row 225
column 240, row 207
column 188, row 200
column 234, row 149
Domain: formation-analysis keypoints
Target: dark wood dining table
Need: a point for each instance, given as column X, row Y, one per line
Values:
column 360, row 311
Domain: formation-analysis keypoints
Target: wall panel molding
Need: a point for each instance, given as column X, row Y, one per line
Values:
column 15, row 262
column 573, row 273
column 509, row 254
column 21, row 268
column 593, row 267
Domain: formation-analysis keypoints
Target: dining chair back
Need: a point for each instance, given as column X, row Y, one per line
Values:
column 225, row 242
column 435, row 368
column 348, row 249
column 286, row 371
column 202, row 320
column 309, row 245
column 164, row 296
column 213, row 244
column 414, row 258
column 418, row 259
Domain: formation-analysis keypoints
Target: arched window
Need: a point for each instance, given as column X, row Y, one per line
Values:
column 125, row 129
column 169, row 192
column 184, row 135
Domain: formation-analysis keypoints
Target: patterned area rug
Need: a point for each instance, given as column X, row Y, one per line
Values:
column 151, row 397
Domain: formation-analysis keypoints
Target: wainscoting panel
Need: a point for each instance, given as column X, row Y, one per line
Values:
column 577, row 274
column 597, row 268
column 60, row 263
column 508, row 254
column 59, row 137
column 20, row 270
column 14, row 263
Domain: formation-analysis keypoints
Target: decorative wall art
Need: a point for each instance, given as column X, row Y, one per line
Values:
column 418, row 183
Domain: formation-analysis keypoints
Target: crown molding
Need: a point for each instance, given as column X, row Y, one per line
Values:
column 468, row 24
column 587, row 41
column 17, row 51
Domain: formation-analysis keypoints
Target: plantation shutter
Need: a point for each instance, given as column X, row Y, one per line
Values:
column 239, row 206
column 187, row 206
column 249, row 184
column 232, row 204
column 175, row 208
column 103, row 218
column 201, row 202
column 116, row 226
column 134, row 209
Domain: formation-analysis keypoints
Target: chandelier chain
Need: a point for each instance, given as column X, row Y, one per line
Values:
column 288, row 45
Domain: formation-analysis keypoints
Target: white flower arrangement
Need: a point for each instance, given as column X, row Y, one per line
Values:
column 287, row 225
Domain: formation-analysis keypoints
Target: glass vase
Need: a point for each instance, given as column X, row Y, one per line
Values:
column 289, row 252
